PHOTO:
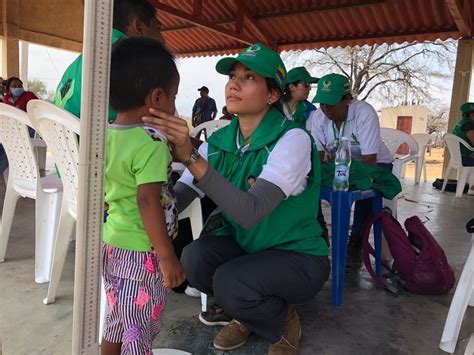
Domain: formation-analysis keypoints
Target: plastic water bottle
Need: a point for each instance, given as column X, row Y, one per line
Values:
column 343, row 165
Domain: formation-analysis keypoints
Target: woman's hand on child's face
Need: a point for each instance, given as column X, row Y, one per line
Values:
column 173, row 272
column 176, row 131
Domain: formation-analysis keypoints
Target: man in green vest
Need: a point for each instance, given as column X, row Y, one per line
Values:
column 464, row 129
column 132, row 18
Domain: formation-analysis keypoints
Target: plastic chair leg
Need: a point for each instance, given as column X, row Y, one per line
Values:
column 41, row 157
column 340, row 233
column 377, row 206
column 446, row 176
column 65, row 229
column 419, row 163
column 459, row 303
column 463, row 174
column 48, row 209
column 9, row 205
column 424, row 170
column 403, row 171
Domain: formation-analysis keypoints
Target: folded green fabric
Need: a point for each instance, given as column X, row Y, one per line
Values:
column 364, row 177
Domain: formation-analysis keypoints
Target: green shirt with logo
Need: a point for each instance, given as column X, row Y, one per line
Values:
column 292, row 225
column 68, row 92
column 136, row 155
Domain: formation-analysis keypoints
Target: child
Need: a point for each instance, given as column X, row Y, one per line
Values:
column 139, row 264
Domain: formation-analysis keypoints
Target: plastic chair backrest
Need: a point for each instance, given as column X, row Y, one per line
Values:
column 423, row 140
column 60, row 130
column 209, row 127
column 452, row 142
column 23, row 168
column 394, row 138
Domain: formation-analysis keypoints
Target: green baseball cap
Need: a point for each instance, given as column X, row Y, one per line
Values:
column 299, row 74
column 467, row 107
column 258, row 58
column 331, row 89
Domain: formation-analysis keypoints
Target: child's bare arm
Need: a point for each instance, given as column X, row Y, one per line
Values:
column 153, row 217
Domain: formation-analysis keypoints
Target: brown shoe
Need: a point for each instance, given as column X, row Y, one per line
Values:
column 290, row 340
column 232, row 336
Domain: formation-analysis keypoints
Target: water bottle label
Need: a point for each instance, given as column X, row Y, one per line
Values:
column 341, row 173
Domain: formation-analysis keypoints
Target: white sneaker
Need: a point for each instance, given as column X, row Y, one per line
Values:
column 192, row 292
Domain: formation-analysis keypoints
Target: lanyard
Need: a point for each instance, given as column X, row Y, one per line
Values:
column 341, row 133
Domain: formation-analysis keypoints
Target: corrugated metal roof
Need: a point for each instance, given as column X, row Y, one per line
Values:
column 208, row 27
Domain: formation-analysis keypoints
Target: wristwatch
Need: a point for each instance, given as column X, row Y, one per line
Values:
column 193, row 158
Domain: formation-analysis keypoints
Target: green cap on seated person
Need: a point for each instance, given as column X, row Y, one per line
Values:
column 300, row 74
column 467, row 108
column 331, row 89
column 259, row 59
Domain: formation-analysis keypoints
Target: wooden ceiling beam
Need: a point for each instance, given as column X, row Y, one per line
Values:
column 239, row 7
column 201, row 22
column 308, row 10
column 461, row 14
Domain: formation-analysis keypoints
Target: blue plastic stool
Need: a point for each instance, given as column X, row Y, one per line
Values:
column 341, row 203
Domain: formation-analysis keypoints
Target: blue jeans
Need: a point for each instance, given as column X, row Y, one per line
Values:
column 363, row 209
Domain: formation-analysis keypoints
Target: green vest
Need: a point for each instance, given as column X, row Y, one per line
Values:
column 457, row 130
column 68, row 93
column 300, row 116
column 292, row 225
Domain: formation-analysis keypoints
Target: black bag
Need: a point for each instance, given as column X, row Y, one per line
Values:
column 450, row 185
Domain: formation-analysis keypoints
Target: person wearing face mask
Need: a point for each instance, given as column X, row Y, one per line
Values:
column 16, row 95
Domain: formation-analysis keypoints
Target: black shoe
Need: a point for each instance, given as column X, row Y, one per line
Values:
column 354, row 247
column 214, row 316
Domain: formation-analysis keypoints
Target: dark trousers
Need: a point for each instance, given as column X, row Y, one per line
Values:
column 363, row 209
column 255, row 289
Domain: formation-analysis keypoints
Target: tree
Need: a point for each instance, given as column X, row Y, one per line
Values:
column 39, row 88
column 438, row 123
column 392, row 74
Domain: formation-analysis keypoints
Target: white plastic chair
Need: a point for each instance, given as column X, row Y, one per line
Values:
column 463, row 296
column 424, row 141
column 24, row 181
column 455, row 162
column 60, row 130
column 208, row 128
column 393, row 139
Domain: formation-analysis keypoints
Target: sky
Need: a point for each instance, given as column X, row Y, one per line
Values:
column 48, row 64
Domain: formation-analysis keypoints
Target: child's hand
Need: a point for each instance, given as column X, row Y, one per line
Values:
column 173, row 273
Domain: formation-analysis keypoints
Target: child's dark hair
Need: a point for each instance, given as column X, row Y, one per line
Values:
column 126, row 10
column 138, row 66
column 273, row 85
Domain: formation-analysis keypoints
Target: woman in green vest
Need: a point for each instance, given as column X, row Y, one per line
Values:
column 465, row 129
column 262, row 250
column 296, row 106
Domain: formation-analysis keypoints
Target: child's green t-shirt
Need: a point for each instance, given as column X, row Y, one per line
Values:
column 135, row 155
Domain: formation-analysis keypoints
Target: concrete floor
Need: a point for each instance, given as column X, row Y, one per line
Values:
column 370, row 321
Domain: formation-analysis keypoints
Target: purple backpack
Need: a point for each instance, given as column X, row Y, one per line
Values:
column 419, row 261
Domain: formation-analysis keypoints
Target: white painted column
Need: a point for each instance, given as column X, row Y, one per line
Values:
column 24, row 52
